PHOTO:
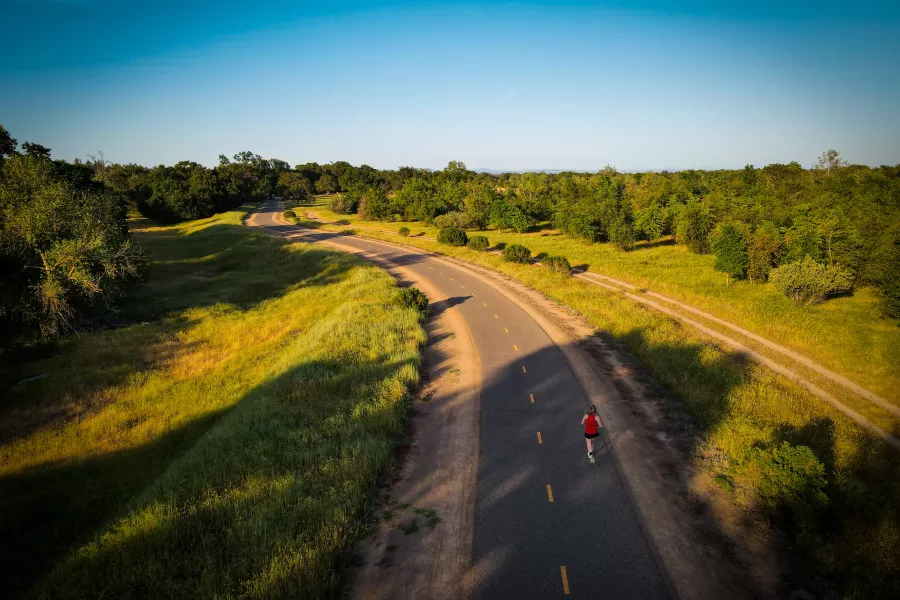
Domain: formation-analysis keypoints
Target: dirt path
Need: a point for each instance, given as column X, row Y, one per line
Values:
column 644, row 298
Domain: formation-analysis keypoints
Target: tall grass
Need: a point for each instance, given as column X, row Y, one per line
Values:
column 226, row 443
column 846, row 334
column 735, row 406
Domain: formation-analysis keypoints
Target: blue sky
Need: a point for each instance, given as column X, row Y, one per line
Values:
column 525, row 85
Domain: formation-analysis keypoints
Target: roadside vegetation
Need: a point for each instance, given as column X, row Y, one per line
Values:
column 828, row 486
column 224, row 439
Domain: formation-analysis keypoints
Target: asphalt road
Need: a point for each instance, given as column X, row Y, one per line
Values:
column 548, row 523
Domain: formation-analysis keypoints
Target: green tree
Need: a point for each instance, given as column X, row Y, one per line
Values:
column 649, row 224
column 374, row 204
column 829, row 161
column 730, row 247
column 479, row 199
column 621, row 233
column 326, row 184
column 693, row 228
column 764, row 251
column 8, row 144
column 36, row 150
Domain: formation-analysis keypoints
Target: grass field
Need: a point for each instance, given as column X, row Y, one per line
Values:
column 225, row 443
column 737, row 407
column 846, row 334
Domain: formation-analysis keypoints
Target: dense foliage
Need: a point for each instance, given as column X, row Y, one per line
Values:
column 64, row 245
column 810, row 282
column 845, row 216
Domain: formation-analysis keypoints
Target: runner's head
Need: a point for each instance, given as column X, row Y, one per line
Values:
column 591, row 410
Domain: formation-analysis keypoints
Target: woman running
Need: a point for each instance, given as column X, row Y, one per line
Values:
column 592, row 427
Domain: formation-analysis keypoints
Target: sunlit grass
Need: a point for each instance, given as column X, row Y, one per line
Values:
column 846, row 335
column 736, row 404
column 225, row 443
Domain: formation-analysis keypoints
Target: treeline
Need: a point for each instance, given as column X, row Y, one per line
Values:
column 815, row 232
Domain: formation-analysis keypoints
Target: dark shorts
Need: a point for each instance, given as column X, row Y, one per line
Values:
column 591, row 436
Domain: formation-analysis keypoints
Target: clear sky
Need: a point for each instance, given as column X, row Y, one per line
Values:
column 638, row 85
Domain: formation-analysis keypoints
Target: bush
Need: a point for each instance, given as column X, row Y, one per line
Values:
column 289, row 214
column 517, row 253
column 789, row 483
column 457, row 219
column 413, row 298
column 453, row 236
column 693, row 227
column 343, row 204
column 558, row 264
column 404, row 231
column 479, row 243
column 763, row 252
column 730, row 246
column 374, row 204
column 621, row 233
column 808, row 281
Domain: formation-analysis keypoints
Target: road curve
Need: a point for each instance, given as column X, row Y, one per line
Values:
column 547, row 522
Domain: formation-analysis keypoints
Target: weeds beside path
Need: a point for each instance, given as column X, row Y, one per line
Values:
column 223, row 444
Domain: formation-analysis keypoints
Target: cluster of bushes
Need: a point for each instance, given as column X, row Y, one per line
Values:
column 403, row 231
column 289, row 214
column 414, row 298
column 65, row 249
column 810, row 282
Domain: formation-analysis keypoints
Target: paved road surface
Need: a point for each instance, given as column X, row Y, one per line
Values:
column 547, row 522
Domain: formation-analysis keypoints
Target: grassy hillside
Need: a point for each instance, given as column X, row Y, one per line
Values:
column 225, row 442
column 740, row 414
column 847, row 335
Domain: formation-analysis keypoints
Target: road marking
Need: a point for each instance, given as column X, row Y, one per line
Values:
column 485, row 303
column 451, row 279
column 516, row 347
column 506, row 330
column 532, row 398
column 562, row 571
column 462, row 286
column 540, row 441
column 496, row 317
column 432, row 268
column 523, row 369
column 549, row 493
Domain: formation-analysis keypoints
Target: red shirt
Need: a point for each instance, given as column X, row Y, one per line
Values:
column 590, row 424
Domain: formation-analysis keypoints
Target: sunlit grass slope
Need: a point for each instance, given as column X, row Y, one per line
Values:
column 733, row 407
column 847, row 335
column 226, row 443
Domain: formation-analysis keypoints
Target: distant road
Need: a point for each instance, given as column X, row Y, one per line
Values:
column 547, row 522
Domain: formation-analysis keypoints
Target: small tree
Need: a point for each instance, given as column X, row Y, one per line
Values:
column 343, row 204
column 289, row 214
column 829, row 161
column 621, row 233
column 403, row 231
column 517, row 253
column 452, row 236
column 730, row 246
column 693, row 228
column 764, row 250
column 415, row 299
column 374, row 204
column 809, row 282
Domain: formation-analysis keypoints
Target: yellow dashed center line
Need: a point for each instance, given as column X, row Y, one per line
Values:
column 506, row 330
column 496, row 317
column 451, row 279
column 549, row 493
column 532, row 398
column 523, row 370
column 462, row 286
column 485, row 303
column 516, row 347
column 540, row 441
column 565, row 578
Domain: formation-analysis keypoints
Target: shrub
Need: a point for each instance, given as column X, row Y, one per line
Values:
column 730, row 246
column 558, row 264
column 374, row 204
column 479, row 243
column 517, row 253
column 413, row 298
column 457, row 219
column 789, row 483
column 453, row 236
column 763, row 252
column 289, row 214
column 343, row 204
column 693, row 228
column 404, row 231
column 621, row 233
column 808, row 281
